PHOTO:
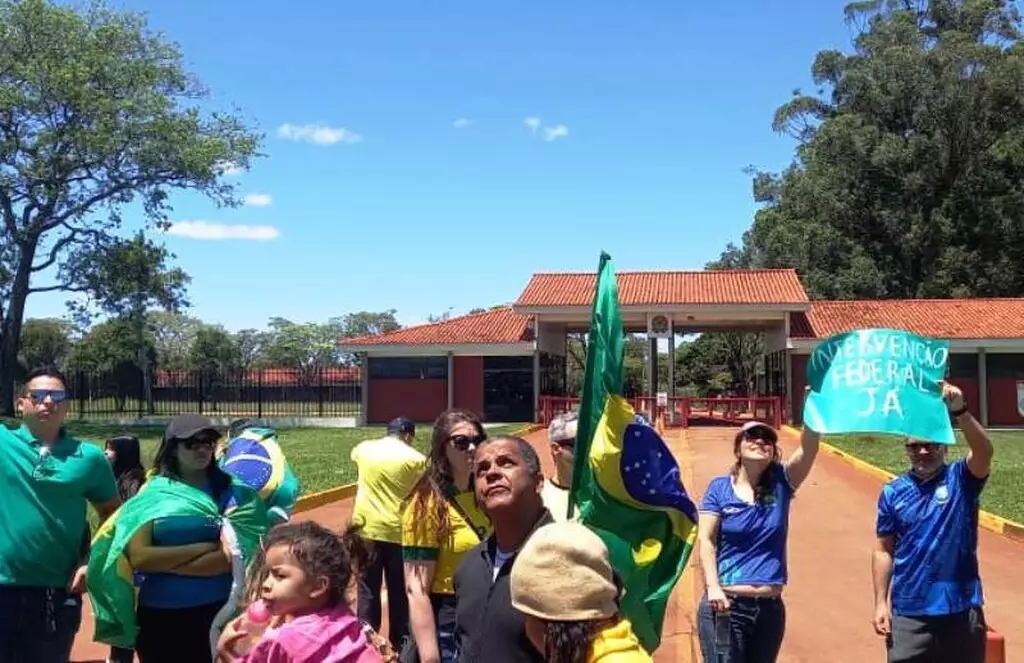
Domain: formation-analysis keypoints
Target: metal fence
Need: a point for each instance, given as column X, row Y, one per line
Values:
column 321, row 392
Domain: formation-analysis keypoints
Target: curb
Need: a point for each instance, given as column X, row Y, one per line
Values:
column 325, row 497
column 987, row 520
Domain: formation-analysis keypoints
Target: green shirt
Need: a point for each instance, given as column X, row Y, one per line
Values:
column 43, row 506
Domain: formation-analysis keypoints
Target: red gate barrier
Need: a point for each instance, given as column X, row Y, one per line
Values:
column 683, row 411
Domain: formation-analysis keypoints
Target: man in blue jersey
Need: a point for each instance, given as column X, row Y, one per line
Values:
column 928, row 599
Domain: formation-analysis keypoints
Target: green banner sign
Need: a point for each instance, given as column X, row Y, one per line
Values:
column 879, row 381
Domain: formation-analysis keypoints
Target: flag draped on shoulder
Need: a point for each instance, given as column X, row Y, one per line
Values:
column 111, row 579
column 625, row 480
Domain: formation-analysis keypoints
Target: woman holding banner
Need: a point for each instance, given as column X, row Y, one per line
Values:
column 743, row 527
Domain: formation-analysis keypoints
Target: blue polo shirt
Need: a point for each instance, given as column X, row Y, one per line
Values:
column 751, row 537
column 935, row 524
column 172, row 590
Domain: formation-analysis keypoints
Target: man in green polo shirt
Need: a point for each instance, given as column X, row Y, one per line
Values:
column 47, row 477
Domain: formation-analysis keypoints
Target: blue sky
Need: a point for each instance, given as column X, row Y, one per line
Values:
column 431, row 187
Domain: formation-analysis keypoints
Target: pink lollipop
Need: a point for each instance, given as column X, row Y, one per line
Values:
column 257, row 613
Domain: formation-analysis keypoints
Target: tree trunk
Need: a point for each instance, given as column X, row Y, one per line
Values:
column 10, row 337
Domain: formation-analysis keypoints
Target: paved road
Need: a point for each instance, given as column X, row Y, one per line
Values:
column 829, row 599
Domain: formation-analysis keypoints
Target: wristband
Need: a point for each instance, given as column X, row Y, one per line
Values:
column 960, row 412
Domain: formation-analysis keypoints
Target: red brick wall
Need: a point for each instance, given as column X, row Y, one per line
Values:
column 1002, row 402
column 469, row 384
column 420, row 400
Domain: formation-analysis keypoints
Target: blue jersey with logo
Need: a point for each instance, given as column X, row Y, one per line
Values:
column 172, row 590
column 751, row 537
column 935, row 524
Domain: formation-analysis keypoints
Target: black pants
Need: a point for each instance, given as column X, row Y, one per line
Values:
column 38, row 624
column 956, row 638
column 385, row 564
column 121, row 655
column 176, row 635
column 751, row 632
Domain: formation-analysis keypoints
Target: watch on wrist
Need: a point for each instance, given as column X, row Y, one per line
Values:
column 960, row 412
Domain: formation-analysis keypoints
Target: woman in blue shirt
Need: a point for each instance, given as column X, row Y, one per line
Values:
column 742, row 531
column 186, row 573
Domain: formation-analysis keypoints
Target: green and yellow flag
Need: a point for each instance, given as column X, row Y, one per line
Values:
column 111, row 578
column 625, row 480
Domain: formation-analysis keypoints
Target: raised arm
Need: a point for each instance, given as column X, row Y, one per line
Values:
column 980, row 450
column 800, row 463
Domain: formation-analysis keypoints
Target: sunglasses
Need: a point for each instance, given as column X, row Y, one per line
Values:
column 569, row 443
column 917, row 447
column 463, row 442
column 194, row 443
column 762, row 441
column 38, row 396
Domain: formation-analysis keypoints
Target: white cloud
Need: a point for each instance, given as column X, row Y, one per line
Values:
column 555, row 132
column 210, row 230
column 318, row 134
column 258, row 199
column 532, row 123
column 462, row 123
column 227, row 169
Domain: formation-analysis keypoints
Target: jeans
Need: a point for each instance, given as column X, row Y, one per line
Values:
column 38, row 624
column 751, row 632
column 385, row 565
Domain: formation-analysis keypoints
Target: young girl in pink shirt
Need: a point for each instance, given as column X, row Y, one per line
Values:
column 302, row 579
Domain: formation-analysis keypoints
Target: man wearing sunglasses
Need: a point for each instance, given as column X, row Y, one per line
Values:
column 928, row 597
column 562, row 439
column 47, row 478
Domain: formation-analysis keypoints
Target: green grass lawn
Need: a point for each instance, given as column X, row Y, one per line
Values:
column 1002, row 496
column 319, row 456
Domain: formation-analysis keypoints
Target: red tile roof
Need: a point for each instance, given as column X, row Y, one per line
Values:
column 268, row 377
column 496, row 326
column 754, row 286
column 938, row 318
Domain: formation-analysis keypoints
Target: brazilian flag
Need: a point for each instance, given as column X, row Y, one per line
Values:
column 111, row 581
column 256, row 459
column 625, row 480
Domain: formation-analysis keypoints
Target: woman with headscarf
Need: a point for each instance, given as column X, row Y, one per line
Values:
column 440, row 524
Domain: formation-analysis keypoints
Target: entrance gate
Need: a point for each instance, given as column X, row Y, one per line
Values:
column 684, row 411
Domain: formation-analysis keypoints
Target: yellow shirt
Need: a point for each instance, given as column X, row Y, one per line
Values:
column 388, row 470
column 618, row 644
column 421, row 541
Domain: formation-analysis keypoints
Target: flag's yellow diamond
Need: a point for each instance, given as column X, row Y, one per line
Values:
column 647, row 552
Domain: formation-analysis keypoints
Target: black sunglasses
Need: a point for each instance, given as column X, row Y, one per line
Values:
column 38, row 396
column 463, row 442
column 915, row 447
column 568, row 443
column 194, row 443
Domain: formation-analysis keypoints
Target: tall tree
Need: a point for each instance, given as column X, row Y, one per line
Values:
column 250, row 344
column 304, row 347
column 909, row 173
column 44, row 342
column 173, row 335
column 124, row 278
column 366, row 323
column 96, row 113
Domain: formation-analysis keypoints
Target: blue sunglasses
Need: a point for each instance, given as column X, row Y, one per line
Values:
column 38, row 396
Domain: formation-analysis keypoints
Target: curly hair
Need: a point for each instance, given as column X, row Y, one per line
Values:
column 439, row 470
column 766, row 483
column 569, row 642
column 317, row 551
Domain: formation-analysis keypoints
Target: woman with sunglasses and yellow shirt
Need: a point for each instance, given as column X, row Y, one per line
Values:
column 440, row 524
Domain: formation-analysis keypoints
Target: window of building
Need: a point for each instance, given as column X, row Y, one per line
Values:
column 408, row 368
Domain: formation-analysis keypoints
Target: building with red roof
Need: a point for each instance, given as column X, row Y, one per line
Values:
column 500, row 362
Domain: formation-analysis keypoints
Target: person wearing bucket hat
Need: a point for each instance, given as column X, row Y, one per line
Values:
column 563, row 584
column 742, row 533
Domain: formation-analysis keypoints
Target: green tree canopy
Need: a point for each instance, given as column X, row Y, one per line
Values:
column 909, row 174
column 96, row 113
